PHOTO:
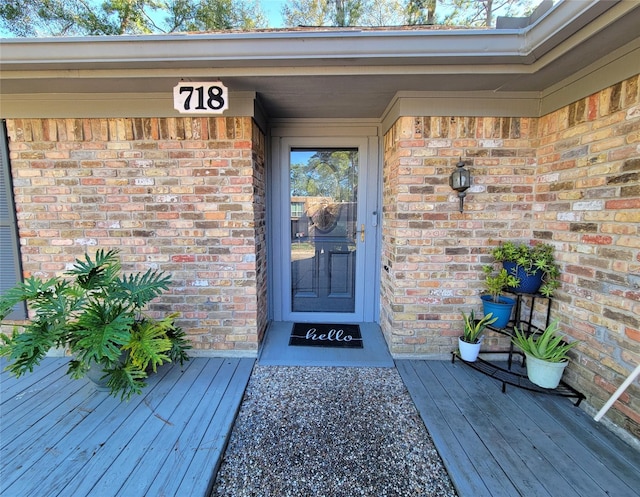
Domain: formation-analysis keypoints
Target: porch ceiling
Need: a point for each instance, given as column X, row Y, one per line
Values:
column 329, row 73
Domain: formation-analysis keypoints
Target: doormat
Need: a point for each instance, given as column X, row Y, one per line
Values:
column 326, row 335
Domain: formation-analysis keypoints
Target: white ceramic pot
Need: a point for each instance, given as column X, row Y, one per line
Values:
column 545, row 374
column 469, row 351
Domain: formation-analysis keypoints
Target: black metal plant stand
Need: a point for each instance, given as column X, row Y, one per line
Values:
column 509, row 376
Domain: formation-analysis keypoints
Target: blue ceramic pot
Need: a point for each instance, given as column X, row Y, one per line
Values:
column 501, row 309
column 529, row 283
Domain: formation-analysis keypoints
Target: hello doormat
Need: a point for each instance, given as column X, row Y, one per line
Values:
column 326, row 335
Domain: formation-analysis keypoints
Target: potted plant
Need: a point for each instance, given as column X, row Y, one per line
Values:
column 533, row 265
column 546, row 355
column 97, row 314
column 471, row 340
column 494, row 302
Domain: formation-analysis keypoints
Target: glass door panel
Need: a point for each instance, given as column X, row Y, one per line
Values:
column 323, row 198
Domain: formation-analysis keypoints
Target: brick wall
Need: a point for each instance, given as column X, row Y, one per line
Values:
column 184, row 195
column 570, row 178
column 588, row 204
column 432, row 253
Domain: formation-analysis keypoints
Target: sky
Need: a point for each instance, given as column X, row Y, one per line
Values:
column 272, row 9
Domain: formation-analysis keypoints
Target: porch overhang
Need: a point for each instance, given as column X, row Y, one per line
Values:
column 320, row 73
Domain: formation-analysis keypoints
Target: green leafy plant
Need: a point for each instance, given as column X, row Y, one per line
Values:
column 496, row 281
column 547, row 346
column 473, row 328
column 96, row 313
column 531, row 258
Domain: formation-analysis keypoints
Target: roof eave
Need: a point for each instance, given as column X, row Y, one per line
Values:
column 315, row 47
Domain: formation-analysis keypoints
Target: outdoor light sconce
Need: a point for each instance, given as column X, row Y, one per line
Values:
column 460, row 181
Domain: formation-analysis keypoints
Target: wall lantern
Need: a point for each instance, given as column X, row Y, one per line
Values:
column 460, row 181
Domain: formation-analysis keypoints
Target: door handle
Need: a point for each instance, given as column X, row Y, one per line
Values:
column 361, row 231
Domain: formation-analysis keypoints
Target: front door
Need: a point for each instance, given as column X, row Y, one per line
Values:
column 327, row 231
column 323, row 194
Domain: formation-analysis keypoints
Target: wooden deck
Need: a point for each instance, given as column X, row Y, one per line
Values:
column 60, row 437
column 518, row 442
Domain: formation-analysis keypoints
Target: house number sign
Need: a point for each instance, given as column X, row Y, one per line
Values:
column 200, row 98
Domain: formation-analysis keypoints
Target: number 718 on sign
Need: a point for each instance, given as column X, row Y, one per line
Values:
column 200, row 98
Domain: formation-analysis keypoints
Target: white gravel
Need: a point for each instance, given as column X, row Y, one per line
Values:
column 330, row 432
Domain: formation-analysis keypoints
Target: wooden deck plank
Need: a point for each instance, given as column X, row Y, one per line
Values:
column 59, row 421
column 467, row 417
column 11, row 387
column 583, row 469
column 99, row 435
column 535, row 449
column 191, row 444
column 70, row 444
column 433, row 410
column 18, row 390
column 49, row 398
column 171, row 439
column 216, row 436
column 116, row 455
column 504, row 440
column 592, row 438
column 558, row 443
column 27, row 411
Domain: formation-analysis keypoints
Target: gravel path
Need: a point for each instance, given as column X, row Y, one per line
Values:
column 330, row 432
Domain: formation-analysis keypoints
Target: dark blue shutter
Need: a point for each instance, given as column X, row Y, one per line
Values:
column 10, row 267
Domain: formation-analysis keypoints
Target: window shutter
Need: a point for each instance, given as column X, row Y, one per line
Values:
column 10, row 266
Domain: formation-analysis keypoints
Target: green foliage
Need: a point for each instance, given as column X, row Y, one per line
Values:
column 496, row 282
column 188, row 15
column 421, row 11
column 118, row 17
column 547, row 346
column 306, row 13
column 531, row 258
column 473, row 328
column 481, row 13
column 98, row 314
column 327, row 173
column 472, row 13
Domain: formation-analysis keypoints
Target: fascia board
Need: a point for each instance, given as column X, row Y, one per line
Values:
column 563, row 20
column 553, row 41
column 292, row 71
column 282, row 48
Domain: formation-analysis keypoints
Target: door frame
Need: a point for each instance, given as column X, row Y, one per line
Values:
column 366, row 139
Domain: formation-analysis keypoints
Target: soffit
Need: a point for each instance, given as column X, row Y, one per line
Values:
column 333, row 73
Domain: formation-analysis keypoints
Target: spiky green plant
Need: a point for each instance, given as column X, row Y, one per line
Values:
column 473, row 328
column 96, row 313
column 547, row 346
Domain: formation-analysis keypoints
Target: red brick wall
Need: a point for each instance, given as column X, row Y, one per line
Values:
column 434, row 253
column 570, row 178
column 184, row 195
column 588, row 204
column 260, row 229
